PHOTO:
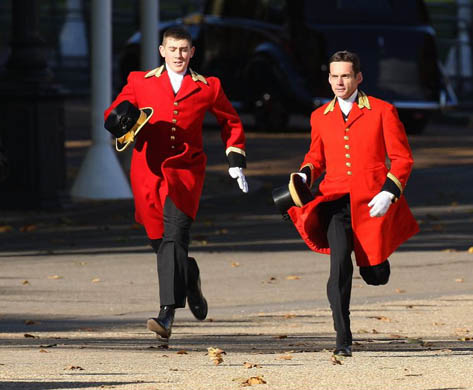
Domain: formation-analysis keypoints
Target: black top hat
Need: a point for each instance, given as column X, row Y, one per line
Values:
column 125, row 121
column 296, row 193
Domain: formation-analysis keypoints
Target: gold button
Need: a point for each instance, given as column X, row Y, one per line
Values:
column 347, row 147
column 172, row 137
column 346, row 138
column 347, row 155
column 173, row 128
column 349, row 173
column 348, row 164
column 347, row 129
column 173, row 147
column 174, row 120
column 176, row 103
column 175, row 112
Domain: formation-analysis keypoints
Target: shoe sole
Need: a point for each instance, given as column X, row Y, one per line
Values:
column 154, row 326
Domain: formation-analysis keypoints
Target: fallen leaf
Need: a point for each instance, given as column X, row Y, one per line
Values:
column 395, row 336
column 400, row 291
column 96, row 280
column 43, row 351
column 438, row 323
column 30, row 336
column 465, row 339
column 254, row 380
column 292, row 277
column 182, row 352
column 25, row 282
column 235, row 264
column 336, row 360
column 31, row 322
column 173, row 369
column 470, row 249
column 55, row 277
column 459, row 280
column 280, row 337
column 285, row 357
column 5, row 228
column 79, row 368
column 374, row 331
column 215, row 355
column 289, row 316
column 449, row 250
column 251, row 365
column 381, row 318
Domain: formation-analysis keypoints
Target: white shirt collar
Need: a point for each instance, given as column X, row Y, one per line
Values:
column 346, row 104
column 175, row 78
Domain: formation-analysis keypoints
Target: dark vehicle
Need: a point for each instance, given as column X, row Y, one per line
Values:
column 272, row 55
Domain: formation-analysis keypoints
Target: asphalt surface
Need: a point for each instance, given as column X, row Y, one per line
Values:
column 77, row 284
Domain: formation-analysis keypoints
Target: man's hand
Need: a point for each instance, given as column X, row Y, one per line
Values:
column 380, row 204
column 237, row 173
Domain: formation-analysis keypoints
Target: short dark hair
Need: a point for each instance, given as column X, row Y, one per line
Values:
column 177, row 32
column 346, row 56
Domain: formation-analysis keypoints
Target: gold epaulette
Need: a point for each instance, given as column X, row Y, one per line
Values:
column 155, row 72
column 197, row 77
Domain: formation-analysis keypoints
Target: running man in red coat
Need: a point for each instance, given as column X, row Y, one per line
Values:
column 167, row 106
column 359, row 204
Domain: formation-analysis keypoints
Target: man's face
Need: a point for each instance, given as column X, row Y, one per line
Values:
column 177, row 53
column 343, row 80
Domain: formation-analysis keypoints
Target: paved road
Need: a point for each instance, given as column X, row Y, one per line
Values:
column 81, row 281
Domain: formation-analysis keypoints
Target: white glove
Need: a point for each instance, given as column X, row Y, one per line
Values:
column 237, row 173
column 380, row 204
column 303, row 175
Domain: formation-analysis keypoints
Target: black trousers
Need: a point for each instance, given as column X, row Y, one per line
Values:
column 175, row 269
column 340, row 239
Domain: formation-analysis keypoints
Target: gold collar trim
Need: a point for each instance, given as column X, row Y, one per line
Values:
column 155, row 72
column 159, row 71
column 362, row 101
column 197, row 77
column 331, row 106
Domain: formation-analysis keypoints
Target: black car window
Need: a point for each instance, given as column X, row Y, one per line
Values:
column 366, row 11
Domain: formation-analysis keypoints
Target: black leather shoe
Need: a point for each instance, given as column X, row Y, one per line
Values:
column 163, row 324
column 343, row 351
column 195, row 298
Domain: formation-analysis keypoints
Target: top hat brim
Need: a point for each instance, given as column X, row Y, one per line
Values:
column 147, row 113
column 296, row 193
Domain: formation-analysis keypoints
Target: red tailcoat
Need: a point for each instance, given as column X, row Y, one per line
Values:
column 168, row 157
column 353, row 156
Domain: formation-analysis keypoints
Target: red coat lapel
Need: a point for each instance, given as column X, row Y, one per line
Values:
column 163, row 85
column 354, row 114
column 188, row 86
